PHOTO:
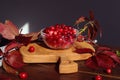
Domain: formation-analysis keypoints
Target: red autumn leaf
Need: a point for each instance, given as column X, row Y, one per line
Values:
column 100, row 61
column 8, row 68
column 80, row 20
column 1, row 53
column 91, row 15
column 23, row 39
column 95, row 31
column 2, row 27
column 94, row 26
column 34, row 35
column 12, row 45
column 104, row 61
column 104, row 58
column 90, row 24
column 90, row 32
column 112, row 55
column 14, row 59
column 84, row 50
column 91, row 63
column 96, row 23
column 8, row 30
column 5, row 32
column 12, row 27
column 103, row 48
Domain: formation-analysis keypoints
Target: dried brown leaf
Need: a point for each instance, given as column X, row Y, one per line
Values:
column 80, row 20
column 34, row 35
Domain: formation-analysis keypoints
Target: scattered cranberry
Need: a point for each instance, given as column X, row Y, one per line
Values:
column 108, row 71
column 23, row 75
column 98, row 77
column 31, row 49
column 80, row 38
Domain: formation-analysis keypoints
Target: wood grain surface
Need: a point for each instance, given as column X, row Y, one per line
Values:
column 43, row 54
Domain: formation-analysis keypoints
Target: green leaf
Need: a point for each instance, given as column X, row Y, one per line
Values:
column 118, row 53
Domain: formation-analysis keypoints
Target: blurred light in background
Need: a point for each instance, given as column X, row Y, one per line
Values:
column 25, row 28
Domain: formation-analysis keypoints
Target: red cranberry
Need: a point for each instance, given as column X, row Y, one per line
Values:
column 31, row 49
column 23, row 75
column 80, row 38
column 108, row 71
column 98, row 77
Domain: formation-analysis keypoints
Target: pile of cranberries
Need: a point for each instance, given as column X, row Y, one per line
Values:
column 59, row 36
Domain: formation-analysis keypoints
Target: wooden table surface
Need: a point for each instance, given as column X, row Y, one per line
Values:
column 45, row 71
column 50, row 72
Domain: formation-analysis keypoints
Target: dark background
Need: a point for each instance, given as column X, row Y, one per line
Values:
column 41, row 13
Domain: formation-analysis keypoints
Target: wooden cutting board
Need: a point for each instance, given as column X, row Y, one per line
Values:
column 67, row 57
column 43, row 54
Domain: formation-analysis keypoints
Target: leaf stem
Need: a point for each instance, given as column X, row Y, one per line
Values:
column 83, row 30
column 86, row 26
column 105, row 75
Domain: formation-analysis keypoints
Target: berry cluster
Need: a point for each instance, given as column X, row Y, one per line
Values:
column 59, row 36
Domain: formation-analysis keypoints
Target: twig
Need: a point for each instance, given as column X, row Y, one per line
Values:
column 105, row 75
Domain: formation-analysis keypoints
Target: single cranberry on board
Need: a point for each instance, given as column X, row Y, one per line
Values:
column 31, row 49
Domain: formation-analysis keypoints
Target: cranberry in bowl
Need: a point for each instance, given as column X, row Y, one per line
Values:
column 59, row 36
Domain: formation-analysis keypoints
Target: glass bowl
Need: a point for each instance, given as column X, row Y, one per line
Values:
column 58, row 41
